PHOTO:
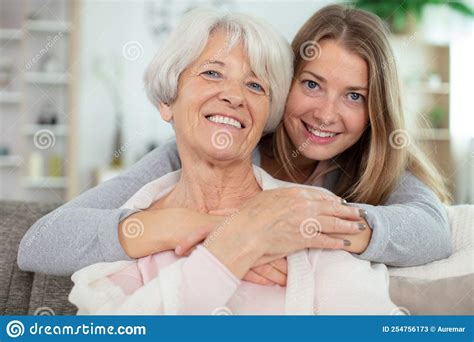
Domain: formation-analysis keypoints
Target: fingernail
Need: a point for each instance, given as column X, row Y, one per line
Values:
column 362, row 213
column 347, row 243
column 343, row 201
column 178, row 250
column 362, row 226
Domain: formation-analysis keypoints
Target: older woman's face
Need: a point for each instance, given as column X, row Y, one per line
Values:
column 221, row 107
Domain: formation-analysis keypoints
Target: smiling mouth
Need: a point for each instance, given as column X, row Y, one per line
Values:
column 225, row 120
column 318, row 133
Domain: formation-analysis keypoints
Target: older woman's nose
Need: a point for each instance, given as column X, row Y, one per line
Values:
column 232, row 94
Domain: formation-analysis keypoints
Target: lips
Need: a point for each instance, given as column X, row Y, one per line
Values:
column 319, row 132
column 225, row 120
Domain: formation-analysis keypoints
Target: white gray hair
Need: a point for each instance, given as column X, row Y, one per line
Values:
column 270, row 56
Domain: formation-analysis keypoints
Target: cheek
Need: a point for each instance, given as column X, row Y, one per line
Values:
column 356, row 123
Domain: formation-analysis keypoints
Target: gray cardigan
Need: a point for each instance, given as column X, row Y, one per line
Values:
column 411, row 228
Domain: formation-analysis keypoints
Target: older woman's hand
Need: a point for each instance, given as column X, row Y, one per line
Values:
column 282, row 221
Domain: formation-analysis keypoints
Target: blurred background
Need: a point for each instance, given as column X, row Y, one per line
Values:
column 73, row 110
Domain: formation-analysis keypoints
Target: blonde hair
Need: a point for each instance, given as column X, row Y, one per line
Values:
column 373, row 166
column 269, row 53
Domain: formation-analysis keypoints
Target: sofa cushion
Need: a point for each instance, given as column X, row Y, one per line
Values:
column 23, row 293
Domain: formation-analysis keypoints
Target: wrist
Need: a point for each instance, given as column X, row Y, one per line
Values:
column 238, row 254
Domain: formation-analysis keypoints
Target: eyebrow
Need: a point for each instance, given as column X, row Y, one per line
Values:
column 323, row 80
column 211, row 61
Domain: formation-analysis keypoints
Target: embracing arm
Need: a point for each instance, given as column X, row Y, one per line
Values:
column 85, row 230
column 411, row 229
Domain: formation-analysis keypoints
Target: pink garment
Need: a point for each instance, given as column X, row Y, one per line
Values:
column 209, row 284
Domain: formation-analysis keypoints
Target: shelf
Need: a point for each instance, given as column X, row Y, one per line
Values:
column 10, row 34
column 433, row 134
column 442, row 89
column 58, row 130
column 48, row 26
column 10, row 161
column 10, row 97
column 54, row 78
column 46, row 182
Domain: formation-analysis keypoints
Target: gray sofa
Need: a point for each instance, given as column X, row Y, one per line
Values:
column 25, row 293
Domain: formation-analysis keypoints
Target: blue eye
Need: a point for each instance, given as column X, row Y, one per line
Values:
column 211, row 74
column 311, row 84
column 257, row 87
column 356, row 97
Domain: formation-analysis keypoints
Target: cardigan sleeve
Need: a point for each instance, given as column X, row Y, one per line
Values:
column 410, row 229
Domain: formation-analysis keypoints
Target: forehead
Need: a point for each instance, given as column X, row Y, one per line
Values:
column 220, row 46
column 336, row 63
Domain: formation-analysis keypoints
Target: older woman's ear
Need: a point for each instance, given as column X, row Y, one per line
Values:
column 165, row 112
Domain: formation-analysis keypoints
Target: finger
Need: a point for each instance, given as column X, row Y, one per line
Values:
column 268, row 258
column 340, row 210
column 281, row 265
column 191, row 241
column 253, row 277
column 327, row 242
column 269, row 272
column 332, row 225
column 313, row 194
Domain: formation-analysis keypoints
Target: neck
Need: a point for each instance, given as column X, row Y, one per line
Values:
column 205, row 186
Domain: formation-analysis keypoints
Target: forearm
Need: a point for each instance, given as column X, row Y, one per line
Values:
column 406, row 235
column 66, row 240
column 154, row 231
column 85, row 230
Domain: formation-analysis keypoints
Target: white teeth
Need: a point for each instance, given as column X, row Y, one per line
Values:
column 319, row 133
column 225, row 120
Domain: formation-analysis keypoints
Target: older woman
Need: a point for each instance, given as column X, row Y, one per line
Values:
column 228, row 86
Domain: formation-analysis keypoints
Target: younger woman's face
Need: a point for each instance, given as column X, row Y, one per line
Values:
column 326, row 112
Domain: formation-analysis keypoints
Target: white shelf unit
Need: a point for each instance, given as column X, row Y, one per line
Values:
column 52, row 78
column 10, row 161
column 10, row 97
column 47, row 26
column 424, row 67
column 31, row 31
column 10, row 35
